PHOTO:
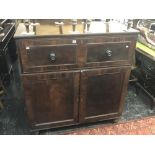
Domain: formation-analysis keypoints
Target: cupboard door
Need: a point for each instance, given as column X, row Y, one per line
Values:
column 102, row 93
column 51, row 99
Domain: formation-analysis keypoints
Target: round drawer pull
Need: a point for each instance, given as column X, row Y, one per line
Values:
column 52, row 57
column 109, row 53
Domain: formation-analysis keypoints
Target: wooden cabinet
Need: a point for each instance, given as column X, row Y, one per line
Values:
column 102, row 93
column 75, row 79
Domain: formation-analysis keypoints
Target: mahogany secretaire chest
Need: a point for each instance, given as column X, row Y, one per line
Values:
column 74, row 72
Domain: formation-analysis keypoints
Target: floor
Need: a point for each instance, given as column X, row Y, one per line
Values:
column 143, row 126
column 13, row 120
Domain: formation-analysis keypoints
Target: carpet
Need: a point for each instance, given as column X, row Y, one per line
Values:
column 144, row 126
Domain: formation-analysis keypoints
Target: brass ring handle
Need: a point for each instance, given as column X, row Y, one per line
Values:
column 109, row 53
column 52, row 57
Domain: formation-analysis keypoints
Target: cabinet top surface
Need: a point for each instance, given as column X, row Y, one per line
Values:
column 69, row 28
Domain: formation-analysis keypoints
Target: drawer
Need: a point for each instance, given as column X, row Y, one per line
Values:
column 48, row 56
column 51, row 55
column 108, row 52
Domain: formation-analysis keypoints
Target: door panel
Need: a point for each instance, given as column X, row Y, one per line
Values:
column 52, row 98
column 102, row 93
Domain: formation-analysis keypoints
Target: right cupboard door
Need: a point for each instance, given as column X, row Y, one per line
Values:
column 102, row 93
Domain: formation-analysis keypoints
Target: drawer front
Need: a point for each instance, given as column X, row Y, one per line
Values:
column 47, row 56
column 51, row 55
column 107, row 52
column 112, row 50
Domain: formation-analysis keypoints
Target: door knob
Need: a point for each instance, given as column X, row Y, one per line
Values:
column 109, row 53
column 52, row 57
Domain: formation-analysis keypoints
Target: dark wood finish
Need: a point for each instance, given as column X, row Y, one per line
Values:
column 74, row 78
column 75, row 52
column 52, row 98
column 40, row 55
column 102, row 93
column 121, row 47
column 36, row 54
column 107, row 52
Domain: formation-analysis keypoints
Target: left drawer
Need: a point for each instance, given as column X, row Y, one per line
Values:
column 47, row 57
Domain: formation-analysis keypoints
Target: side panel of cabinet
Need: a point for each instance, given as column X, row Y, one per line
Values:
column 102, row 93
column 52, row 99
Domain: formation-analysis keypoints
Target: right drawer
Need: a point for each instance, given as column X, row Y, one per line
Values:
column 110, row 53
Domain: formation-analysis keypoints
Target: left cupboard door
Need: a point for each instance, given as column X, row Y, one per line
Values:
column 51, row 99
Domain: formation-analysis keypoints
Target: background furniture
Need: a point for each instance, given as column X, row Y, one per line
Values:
column 7, row 49
column 145, row 72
